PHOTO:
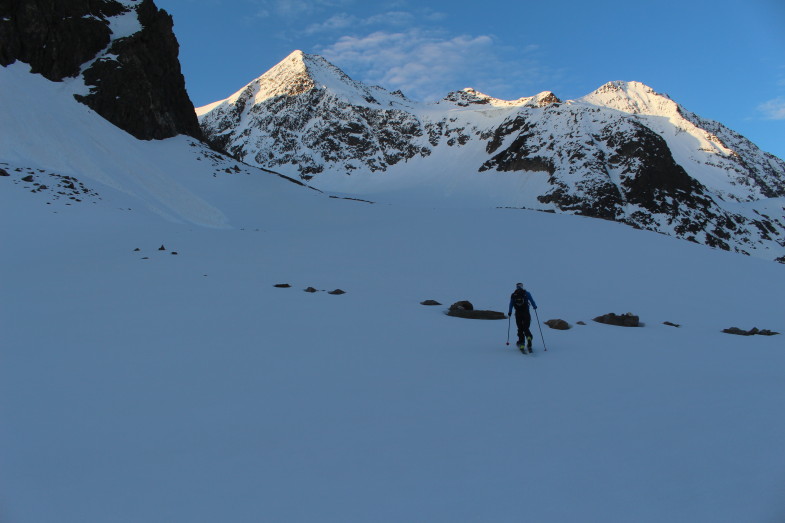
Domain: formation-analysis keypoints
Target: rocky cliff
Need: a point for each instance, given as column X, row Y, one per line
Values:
column 124, row 51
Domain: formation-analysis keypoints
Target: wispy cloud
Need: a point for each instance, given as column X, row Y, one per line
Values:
column 295, row 8
column 773, row 109
column 343, row 22
column 426, row 64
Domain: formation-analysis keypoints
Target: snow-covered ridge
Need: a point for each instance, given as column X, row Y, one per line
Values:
column 623, row 152
column 470, row 96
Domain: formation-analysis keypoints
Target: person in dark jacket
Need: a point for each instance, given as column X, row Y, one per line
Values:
column 520, row 300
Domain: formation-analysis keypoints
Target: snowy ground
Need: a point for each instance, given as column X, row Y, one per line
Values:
column 187, row 388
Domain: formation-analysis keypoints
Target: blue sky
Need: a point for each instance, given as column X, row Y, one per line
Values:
column 724, row 60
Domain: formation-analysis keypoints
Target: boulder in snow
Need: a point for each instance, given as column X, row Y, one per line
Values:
column 464, row 305
column 620, row 320
column 464, row 309
column 559, row 325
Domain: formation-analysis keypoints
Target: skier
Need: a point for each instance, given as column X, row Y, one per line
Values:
column 519, row 300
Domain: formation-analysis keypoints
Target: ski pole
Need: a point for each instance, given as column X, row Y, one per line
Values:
column 540, row 327
column 509, row 319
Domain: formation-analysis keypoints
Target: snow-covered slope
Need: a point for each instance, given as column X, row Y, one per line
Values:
column 139, row 385
column 50, row 143
column 624, row 153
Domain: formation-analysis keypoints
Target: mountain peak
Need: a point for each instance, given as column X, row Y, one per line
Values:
column 300, row 73
column 631, row 97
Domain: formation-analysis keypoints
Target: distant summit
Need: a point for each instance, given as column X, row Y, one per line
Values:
column 470, row 96
column 623, row 152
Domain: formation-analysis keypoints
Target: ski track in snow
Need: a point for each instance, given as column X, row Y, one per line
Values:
column 188, row 388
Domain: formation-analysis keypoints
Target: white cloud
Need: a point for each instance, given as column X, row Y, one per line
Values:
column 426, row 65
column 334, row 23
column 343, row 21
column 773, row 109
column 291, row 9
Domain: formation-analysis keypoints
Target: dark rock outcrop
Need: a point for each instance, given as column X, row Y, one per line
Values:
column 55, row 36
column 620, row 320
column 135, row 81
column 430, row 302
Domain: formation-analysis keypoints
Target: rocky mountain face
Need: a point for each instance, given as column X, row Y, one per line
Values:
column 623, row 153
column 125, row 52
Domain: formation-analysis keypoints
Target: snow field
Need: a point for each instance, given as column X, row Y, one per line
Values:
column 144, row 390
column 187, row 388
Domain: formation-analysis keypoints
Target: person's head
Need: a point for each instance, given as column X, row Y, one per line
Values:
column 519, row 286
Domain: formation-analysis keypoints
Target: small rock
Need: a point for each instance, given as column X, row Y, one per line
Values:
column 559, row 325
column 161, row 248
column 28, row 178
column 581, row 323
column 337, row 292
column 311, row 289
column 174, row 253
column 3, row 172
column 430, row 302
column 137, row 249
column 282, row 285
column 671, row 324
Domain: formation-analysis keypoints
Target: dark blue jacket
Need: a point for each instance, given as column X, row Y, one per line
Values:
column 527, row 298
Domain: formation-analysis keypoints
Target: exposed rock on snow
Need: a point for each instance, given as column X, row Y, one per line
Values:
column 620, row 320
column 464, row 305
column 752, row 332
column 465, row 309
column 477, row 314
column 430, row 302
column 557, row 324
